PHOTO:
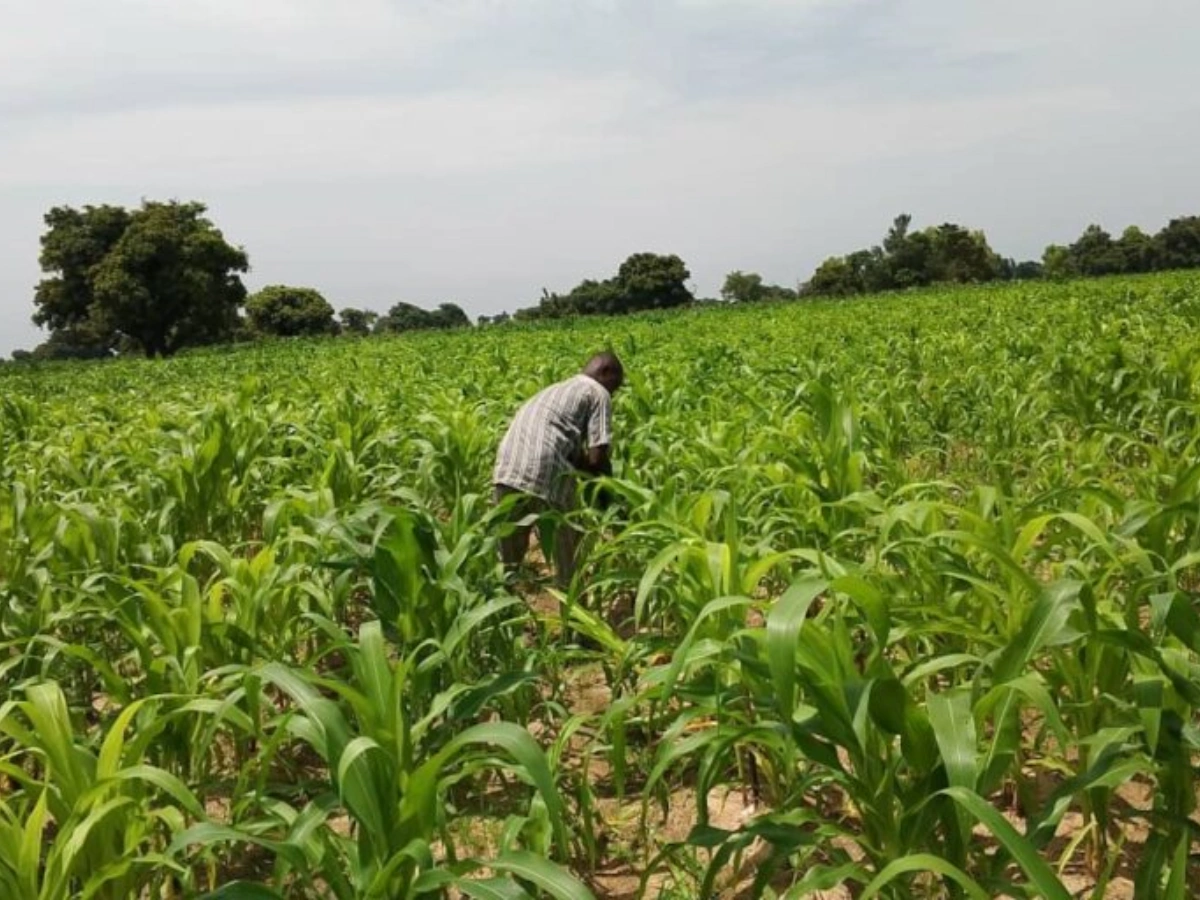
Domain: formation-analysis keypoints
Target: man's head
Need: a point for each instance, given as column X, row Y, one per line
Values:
column 606, row 369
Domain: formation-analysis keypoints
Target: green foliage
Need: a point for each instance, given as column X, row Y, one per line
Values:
column 742, row 287
column 289, row 312
column 951, row 254
column 161, row 275
column 913, row 583
column 1177, row 246
column 357, row 321
column 74, row 244
column 839, row 277
column 947, row 253
column 748, row 287
column 645, row 281
column 1026, row 270
column 653, row 281
column 1095, row 253
column 1057, row 263
column 959, row 256
column 406, row 317
column 1139, row 252
column 74, row 342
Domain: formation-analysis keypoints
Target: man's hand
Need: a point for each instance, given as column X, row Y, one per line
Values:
column 596, row 461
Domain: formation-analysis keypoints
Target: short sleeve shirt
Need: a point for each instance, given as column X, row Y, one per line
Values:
column 535, row 454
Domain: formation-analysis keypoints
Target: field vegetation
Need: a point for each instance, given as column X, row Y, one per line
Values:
column 899, row 598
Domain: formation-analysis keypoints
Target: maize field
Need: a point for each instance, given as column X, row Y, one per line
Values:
column 898, row 597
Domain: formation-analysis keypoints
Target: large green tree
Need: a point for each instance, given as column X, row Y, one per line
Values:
column 644, row 281
column 1177, row 246
column 357, row 321
column 743, row 287
column 960, row 255
column 407, row 317
column 403, row 317
column 653, row 281
column 749, row 287
column 1095, row 253
column 162, row 276
column 289, row 312
column 598, row 298
column 74, row 244
column 907, row 259
column 449, row 315
column 1057, row 263
column 1136, row 251
column 837, row 276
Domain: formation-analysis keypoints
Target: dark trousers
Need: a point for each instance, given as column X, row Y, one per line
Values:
column 561, row 541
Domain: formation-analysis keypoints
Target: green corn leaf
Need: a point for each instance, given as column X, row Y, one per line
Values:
column 651, row 576
column 29, row 855
column 784, row 621
column 517, row 742
column 491, row 889
column 208, row 834
column 165, row 782
column 924, row 862
column 1045, row 625
column 365, row 778
column 930, row 667
column 548, row 877
column 1183, row 621
column 954, row 730
column 95, row 820
column 871, row 600
column 1036, row 869
column 896, row 713
column 683, row 654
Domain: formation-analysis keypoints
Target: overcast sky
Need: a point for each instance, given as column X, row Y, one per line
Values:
column 479, row 150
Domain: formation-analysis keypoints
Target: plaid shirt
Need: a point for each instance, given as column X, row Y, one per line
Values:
column 548, row 432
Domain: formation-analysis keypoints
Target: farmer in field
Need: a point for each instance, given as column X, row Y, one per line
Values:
column 564, row 429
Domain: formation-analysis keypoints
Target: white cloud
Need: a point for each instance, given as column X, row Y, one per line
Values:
column 775, row 6
column 531, row 123
column 475, row 131
column 1085, row 39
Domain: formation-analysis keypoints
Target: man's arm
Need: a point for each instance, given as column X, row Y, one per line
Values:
column 596, row 460
column 595, row 456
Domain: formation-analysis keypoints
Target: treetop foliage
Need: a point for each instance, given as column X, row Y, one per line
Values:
column 407, row 317
column 158, row 278
column 952, row 254
column 644, row 281
column 289, row 312
column 1096, row 252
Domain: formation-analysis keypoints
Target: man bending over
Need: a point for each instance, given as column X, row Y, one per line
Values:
column 566, row 427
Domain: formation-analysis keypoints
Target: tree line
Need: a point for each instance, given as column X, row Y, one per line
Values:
column 283, row 311
column 952, row 254
column 161, row 278
column 906, row 258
